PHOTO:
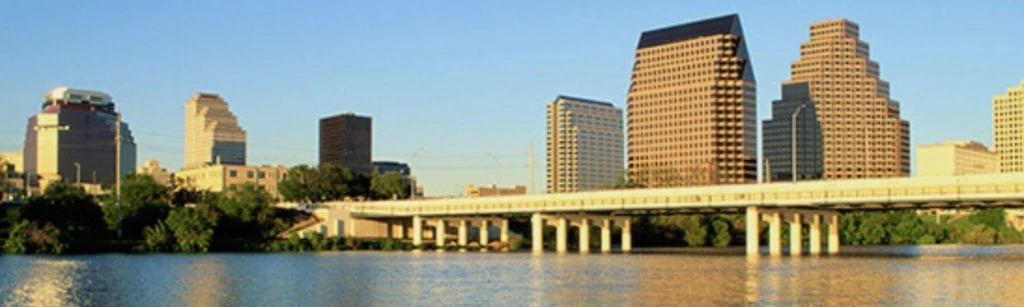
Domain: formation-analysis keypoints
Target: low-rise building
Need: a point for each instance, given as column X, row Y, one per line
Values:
column 153, row 169
column 956, row 158
column 219, row 177
column 493, row 190
column 14, row 160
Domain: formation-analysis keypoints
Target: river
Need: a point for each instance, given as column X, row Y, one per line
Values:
column 935, row 275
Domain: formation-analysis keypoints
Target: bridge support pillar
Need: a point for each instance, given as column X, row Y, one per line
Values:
column 606, row 235
column 485, row 233
column 795, row 235
column 504, row 231
column 815, row 234
column 439, row 231
column 753, row 231
column 537, row 233
column 561, row 235
column 627, row 235
column 774, row 234
column 833, row 234
column 463, row 233
column 584, row 236
column 417, row 231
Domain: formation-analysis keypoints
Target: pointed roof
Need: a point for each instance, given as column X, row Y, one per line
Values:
column 706, row 27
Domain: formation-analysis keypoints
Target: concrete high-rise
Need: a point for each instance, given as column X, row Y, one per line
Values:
column 1008, row 129
column 692, row 111
column 346, row 140
column 777, row 137
column 212, row 133
column 584, row 144
column 863, row 135
column 74, row 140
column 956, row 158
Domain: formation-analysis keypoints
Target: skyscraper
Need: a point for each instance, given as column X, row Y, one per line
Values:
column 584, row 144
column 346, row 140
column 795, row 106
column 692, row 116
column 863, row 135
column 212, row 133
column 1008, row 127
column 74, row 139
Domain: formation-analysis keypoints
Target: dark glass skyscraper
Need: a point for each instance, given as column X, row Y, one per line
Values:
column 778, row 136
column 346, row 140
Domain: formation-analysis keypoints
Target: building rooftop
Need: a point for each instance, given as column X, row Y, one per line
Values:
column 706, row 27
column 77, row 96
column 564, row 97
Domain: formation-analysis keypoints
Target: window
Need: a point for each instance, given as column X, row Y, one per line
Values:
column 262, row 175
column 249, row 175
column 233, row 173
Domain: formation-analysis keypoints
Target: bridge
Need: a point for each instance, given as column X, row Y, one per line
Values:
column 805, row 202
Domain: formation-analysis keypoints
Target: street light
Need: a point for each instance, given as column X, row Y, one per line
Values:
column 497, row 169
column 412, row 186
column 78, row 173
column 795, row 114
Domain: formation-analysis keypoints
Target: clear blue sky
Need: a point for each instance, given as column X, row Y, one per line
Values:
column 459, row 78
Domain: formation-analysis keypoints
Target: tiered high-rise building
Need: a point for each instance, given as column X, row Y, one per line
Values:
column 862, row 133
column 1008, row 129
column 584, row 144
column 212, row 133
column 74, row 140
column 692, row 112
column 346, row 140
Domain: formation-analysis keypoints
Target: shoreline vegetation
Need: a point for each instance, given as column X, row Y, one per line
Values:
column 178, row 219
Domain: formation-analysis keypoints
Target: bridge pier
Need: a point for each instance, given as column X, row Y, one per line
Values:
column 795, row 234
column 561, row 235
column 815, row 234
column 537, row 233
column 584, row 227
column 606, row 235
column 417, row 230
column 485, row 235
column 753, row 231
column 504, row 231
column 440, row 228
column 627, row 235
column 833, row 234
column 463, row 233
column 774, row 234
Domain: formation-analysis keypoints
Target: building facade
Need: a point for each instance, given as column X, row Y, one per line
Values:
column 220, row 177
column 14, row 160
column 74, row 139
column 346, row 140
column 153, row 169
column 493, row 190
column 863, row 134
column 383, row 167
column 691, row 106
column 212, row 133
column 1008, row 129
column 795, row 112
column 584, row 144
column 956, row 158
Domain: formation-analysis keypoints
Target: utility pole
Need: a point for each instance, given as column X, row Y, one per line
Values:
column 795, row 114
column 78, row 174
column 533, row 175
column 412, row 185
column 117, row 170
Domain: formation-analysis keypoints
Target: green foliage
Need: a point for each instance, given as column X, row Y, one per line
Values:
column 193, row 228
column 324, row 183
column 721, row 233
column 159, row 238
column 926, row 239
column 245, row 212
column 389, row 185
column 994, row 218
column 695, row 232
column 67, row 208
column 143, row 202
column 515, row 242
column 28, row 238
column 17, row 240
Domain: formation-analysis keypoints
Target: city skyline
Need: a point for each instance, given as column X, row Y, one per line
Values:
column 454, row 155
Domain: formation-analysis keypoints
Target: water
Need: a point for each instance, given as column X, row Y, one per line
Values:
column 951, row 275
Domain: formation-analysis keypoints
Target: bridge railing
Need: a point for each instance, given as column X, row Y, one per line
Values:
column 821, row 193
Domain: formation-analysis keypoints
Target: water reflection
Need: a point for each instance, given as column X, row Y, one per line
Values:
column 935, row 276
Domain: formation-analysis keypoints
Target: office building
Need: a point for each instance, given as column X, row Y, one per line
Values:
column 153, row 169
column 220, row 177
column 14, row 160
column 212, row 133
column 956, row 158
column 863, row 135
column 778, row 136
column 345, row 140
column 584, row 144
column 691, row 106
column 384, row 167
column 1008, row 129
column 493, row 190
column 74, row 138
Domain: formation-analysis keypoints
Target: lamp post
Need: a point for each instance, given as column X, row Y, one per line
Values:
column 412, row 186
column 117, row 170
column 497, row 170
column 78, row 173
column 793, row 122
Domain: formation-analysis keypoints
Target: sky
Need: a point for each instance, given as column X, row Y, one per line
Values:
column 460, row 79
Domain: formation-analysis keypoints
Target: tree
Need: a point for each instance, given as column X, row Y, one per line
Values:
column 4, row 175
column 386, row 186
column 184, row 192
column 144, row 202
column 159, row 238
column 193, row 228
column 246, row 212
column 721, row 232
column 695, row 232
column 69, row 209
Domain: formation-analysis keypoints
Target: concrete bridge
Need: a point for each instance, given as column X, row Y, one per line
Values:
column 806, row 202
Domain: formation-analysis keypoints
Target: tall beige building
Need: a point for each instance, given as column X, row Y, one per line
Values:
column 1008, row 127
column 692, row 113
column 212, row 133
column 584, row 144
column 863, row 134
column 956, row 158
